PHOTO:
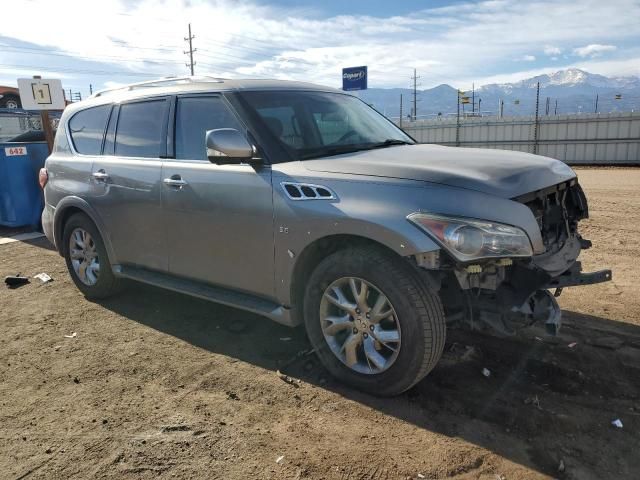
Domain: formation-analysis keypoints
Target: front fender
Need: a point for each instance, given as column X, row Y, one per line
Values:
column 375, row 208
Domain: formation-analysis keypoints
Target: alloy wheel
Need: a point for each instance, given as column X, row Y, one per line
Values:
column 360, row 325
column 84, row 256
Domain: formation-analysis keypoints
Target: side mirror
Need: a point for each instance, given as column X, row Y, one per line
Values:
column 227, row 145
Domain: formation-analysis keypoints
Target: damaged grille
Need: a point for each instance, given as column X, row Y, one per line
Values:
column 557, row 210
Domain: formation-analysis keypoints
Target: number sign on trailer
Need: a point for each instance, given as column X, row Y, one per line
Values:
column 41, row 94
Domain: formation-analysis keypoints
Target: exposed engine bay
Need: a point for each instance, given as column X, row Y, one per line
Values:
column 507, row 294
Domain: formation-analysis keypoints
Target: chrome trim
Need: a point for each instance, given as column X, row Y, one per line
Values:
column 312, row 186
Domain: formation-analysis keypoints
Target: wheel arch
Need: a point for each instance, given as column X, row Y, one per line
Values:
column 313, row 254
column 70, row 206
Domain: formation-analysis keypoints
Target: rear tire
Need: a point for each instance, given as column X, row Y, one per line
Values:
column 87, row 259
column 416, row 327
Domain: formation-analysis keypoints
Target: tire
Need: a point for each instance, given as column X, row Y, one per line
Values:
column 9, row 101
column 418, row 316
column 105, row 284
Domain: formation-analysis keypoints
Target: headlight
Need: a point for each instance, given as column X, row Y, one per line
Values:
column 468, row 239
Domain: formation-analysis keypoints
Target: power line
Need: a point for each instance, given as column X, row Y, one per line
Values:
column 38, row 51
column 73, row 70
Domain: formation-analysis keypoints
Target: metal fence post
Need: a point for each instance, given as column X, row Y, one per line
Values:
column 535, row 127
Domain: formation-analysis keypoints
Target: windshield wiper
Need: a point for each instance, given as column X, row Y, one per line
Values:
column 327, row 152
column 338, row 150
column 389, row 142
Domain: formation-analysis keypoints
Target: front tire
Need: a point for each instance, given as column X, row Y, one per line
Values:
column 374, row 323
column 86, row 258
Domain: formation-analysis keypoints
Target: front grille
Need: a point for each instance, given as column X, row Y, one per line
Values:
column 557, row 210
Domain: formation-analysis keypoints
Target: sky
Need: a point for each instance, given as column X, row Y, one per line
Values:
column 108, row 43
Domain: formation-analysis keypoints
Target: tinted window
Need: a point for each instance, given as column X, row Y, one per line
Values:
column 316, row 124
column 87, row 129
column 140, row 128
column 283, row 123
column 196, row 115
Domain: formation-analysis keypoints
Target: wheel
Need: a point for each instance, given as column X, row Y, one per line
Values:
column 373, row 322
column 9, row 101
column 87, row 259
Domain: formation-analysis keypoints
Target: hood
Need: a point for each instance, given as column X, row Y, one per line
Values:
column 503, row 173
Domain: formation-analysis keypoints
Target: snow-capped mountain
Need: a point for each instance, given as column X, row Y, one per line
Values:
column 574, row 90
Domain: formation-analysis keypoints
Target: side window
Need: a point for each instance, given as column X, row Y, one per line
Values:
column 140, row 128
column 87, row 129
column 196, row 115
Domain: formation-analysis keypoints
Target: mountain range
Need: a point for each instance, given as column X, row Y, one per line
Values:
column 574, row 90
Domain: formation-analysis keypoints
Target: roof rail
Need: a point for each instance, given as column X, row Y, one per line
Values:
column 160, row 82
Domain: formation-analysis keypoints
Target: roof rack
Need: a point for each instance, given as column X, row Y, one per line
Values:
column 161, row 82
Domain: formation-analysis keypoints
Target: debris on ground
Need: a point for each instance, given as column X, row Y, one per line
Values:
column 232, row 396
column 561, row 466
column 285, row 339
column 617, row 423
column 288, row 379
column 73, row 335
column 43, row 277
column 486, row 372
column 572, row 344
column 279, row 459
column 15, row 281
column 421, row 475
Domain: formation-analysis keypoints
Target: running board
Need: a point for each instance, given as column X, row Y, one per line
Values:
column 224, row 296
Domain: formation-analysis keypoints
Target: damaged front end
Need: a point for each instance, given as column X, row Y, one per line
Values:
column 508, row 293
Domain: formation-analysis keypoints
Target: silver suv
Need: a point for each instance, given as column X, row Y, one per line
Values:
column 304, row 205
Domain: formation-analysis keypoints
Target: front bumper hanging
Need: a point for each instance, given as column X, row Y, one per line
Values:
column 575, row 277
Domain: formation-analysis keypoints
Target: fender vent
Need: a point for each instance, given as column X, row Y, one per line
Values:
column 307, row 191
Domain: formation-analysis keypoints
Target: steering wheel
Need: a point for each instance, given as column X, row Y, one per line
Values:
column 349, row 134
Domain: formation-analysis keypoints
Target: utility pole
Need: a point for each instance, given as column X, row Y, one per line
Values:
column 90, row 89
column 400, row 110
column 473, row 98
column 415, row 95
column 191, row 50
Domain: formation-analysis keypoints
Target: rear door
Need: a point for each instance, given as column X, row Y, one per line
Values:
column 218, row 218
column 126, row 183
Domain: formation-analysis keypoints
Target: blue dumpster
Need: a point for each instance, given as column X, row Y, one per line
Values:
column 21, row 200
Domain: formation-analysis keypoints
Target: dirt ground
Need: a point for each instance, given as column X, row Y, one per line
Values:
column 157, row 384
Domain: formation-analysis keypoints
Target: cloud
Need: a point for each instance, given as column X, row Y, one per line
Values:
column 593, row 50
column 552, row 51
column 133, row 41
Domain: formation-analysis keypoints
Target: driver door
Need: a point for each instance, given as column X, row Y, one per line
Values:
column 219, row 218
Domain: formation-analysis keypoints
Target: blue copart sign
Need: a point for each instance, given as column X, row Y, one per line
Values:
column 354, row 78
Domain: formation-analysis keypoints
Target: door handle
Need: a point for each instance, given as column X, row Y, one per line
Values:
column 175, row 181
column 100, row 175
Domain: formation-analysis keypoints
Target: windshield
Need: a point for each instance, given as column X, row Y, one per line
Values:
column 317, row 124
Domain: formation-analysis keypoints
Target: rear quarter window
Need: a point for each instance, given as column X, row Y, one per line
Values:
column 87, row 127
